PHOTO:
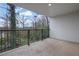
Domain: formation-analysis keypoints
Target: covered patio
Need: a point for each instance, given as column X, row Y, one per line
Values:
column 63, row 32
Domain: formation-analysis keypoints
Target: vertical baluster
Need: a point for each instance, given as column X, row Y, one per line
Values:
column 4, row 36
column 28, row 37
column 36, row 35
column 42, row 33
column 48, row 29
column 22, row 38
column 32, row 35
column 1, row 40
column 7, row 42
column 10, row 40
column 19, row 37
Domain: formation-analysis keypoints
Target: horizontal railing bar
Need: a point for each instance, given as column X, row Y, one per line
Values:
column 20, row 29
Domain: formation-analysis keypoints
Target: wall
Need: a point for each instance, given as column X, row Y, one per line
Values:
column 65, row 27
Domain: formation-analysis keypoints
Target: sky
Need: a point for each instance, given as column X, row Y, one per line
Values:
column 2, row 13
column 3, row 9
column 29, row 14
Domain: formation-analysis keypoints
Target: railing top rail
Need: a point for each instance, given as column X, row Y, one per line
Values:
column 20, row 29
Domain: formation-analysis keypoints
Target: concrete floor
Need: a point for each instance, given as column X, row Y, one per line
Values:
column 47, row 47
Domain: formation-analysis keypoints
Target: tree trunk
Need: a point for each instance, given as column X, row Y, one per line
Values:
column 12, row 25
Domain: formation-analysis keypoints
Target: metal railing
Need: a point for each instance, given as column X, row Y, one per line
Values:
column 10, row 39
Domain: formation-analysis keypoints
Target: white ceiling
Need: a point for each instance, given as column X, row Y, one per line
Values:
column 59, row 9
column 55, row 10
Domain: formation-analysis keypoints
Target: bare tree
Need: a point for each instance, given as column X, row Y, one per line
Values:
column 41, row 21
column 21, row 19
column 6, row 20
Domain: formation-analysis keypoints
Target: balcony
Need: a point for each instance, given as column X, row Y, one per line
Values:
column 47, row 47
column 63, row 26
column 10, row 39
column 21, row 27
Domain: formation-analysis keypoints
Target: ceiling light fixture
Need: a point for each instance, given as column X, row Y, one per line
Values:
column 49, row 4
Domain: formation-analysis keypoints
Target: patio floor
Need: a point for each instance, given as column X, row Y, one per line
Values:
column 47, row 47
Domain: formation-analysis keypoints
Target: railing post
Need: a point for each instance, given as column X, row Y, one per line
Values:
column 8, row 43
column 48, row 31
column 28, row 42
column 42, row 33
column 48, row 26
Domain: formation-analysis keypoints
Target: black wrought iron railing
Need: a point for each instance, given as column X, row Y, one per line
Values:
column 10, row 39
